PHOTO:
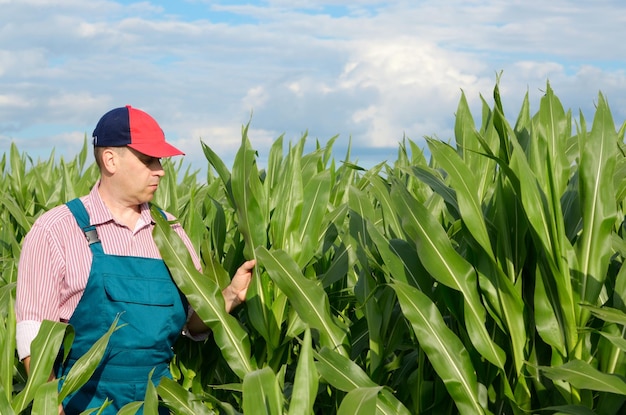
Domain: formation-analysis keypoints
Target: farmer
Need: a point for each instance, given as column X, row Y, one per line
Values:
column 94, row 258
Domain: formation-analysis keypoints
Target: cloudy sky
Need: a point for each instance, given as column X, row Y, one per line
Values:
column 373, row 71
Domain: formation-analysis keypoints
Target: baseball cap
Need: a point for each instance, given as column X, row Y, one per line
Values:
column 128, row 126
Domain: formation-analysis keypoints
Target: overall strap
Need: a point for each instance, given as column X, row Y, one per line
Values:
column 82, row 218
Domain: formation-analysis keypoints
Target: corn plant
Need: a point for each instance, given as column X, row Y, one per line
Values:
column 484, row 275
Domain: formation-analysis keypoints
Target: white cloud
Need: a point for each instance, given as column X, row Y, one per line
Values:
column 370, row 70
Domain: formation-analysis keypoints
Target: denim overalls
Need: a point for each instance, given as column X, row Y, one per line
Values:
column 152, row 310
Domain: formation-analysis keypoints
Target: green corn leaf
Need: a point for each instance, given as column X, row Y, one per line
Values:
column 215, row 270
column 306, row 297
column 462, row 179
column 551, row 131
column 274, row 163
column 250, row 204
column 16, row 211
column 469, row 145
column 131, row 408
column 44, row 350
column 261, row 393
column 250, row 200
column 5, row 404
column 288, row 205
column 18, row 170
column 314, row 208
column 570, row 410
column 582, row 375
column 556, row 288
column 343, row 374
column 204, row 295
column 364, row 293
column 608, row 314
column 151, row 399
column 596, row 171
column 445, row 351
column 361, row 211
column 340, row 371
column 179, row 400
column 429, row 177
column 98, row 411
column 548, row 321
column 344, row 178
column 360, row 401
column 7, row 338
column 217, row 227
column 87, row 364
column 500, row 124
column 46, row 399
column 533, row 199
column 193, row 220
column 381, row 190
column 68, row 192
column 338, row 269
column 616, row 340
column 464, row 128
column 305, row 383
column 448, row 267
column 219, row 167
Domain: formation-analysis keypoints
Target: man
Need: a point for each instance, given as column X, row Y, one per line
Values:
column 93, row 259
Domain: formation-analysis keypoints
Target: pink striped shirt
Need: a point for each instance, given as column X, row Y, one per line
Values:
column 55, row 261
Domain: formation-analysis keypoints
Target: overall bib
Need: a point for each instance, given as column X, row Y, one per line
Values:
column 152, row 310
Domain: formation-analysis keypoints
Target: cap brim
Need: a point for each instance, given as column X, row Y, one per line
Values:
column 158, row 150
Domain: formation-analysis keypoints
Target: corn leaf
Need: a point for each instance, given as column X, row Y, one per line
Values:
column 445, row 351
column 130, row 408
column 345, row 375
column 46, row 399
column 289, row 198
column 44, row 350
column 261, row 393
column 7, row 339
column 204, row 295
column 151, row 399
column 86, row 365
column 597, row 167
column 5, row 404
column 462, row 179
column 582, row 375
column 305, row 383
column 360, row 401
column 391, row 221
column 305, row 296
column 448, row 267
column 179, row 400
column 555, row 291
column 315, row 201
column 250, row 204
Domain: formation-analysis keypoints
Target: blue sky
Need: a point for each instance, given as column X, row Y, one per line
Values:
column 371, row 72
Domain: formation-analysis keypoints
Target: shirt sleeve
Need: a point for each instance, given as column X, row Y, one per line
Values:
column 37, row 294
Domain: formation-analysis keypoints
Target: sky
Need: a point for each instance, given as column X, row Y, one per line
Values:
column 372, row 72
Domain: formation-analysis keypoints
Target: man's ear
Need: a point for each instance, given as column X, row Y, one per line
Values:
column 110, row 159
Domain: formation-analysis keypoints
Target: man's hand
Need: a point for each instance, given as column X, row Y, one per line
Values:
column 234, row 295
column 236, row 291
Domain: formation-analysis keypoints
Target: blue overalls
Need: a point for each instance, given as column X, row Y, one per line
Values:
column 150, row 306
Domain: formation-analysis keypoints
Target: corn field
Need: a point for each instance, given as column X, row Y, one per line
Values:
column 484, row 275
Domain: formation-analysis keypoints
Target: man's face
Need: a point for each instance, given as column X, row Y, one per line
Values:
column 138, row 175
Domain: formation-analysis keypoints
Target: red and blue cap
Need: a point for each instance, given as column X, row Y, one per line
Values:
column 128, row 126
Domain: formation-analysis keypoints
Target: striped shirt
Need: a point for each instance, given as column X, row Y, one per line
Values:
column 55, row 261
